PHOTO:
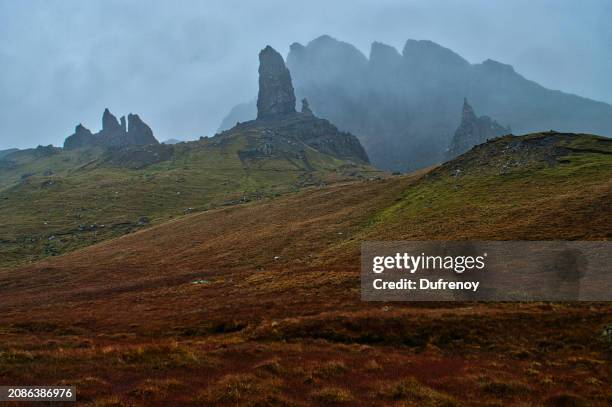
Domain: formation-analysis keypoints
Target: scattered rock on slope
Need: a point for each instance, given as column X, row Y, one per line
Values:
column 503, row 155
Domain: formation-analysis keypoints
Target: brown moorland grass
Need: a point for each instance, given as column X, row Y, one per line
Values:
column 275, row 317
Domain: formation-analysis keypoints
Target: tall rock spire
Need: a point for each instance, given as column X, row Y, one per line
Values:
column 468, row 115
column 109, row 121
column 276, row 96
column 138, row 132
column 473, row 130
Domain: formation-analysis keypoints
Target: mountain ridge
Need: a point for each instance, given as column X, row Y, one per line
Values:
column 403, row 107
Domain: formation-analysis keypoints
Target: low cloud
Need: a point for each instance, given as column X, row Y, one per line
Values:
column 183, row 66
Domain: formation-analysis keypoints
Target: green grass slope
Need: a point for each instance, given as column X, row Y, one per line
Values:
column 260, row 303
column 53, row 201
column 530, row 187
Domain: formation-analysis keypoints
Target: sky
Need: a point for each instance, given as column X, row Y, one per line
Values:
column 182, row 65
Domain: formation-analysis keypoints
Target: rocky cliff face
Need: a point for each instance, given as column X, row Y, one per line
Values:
column 138, row 132
column 113, row 133
column 279, row 129
column 109, row 122
column 276, row 96
column 472, row 131
column 82, row 137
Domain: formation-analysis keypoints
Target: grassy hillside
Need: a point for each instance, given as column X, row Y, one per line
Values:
column 536, row 187
column 7, row 152
column 258, row 304
column 54, row 201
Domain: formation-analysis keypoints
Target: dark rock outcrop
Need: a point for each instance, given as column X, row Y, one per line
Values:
column 112, row 133
column 282, row 130
column 294, row 134
column 473, row 130
column 306, row 106
column 134, row 132
column 109, row 121
column 138, row 133
column 82, row 137
column 276, row 97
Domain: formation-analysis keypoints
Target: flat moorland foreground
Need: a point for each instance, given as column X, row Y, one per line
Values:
column 258, row 304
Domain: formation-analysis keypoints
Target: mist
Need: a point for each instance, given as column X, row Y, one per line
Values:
column 183, row 67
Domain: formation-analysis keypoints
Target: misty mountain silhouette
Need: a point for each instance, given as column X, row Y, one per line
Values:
column 406, row 107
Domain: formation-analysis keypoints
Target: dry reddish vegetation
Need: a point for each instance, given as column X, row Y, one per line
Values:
column 276, row 319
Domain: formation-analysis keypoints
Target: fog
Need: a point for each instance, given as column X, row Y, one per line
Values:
column 182, row 66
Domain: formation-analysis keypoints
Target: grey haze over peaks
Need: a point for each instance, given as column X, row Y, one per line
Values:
column 181, row 66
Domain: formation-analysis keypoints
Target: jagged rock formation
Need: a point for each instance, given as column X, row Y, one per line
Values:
column 403, row 105
column 114, row 133
column 82, row 137
column 276, row 96
column 138, row 132
column 473, row 130
column 280, row 129
column 109, row 121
